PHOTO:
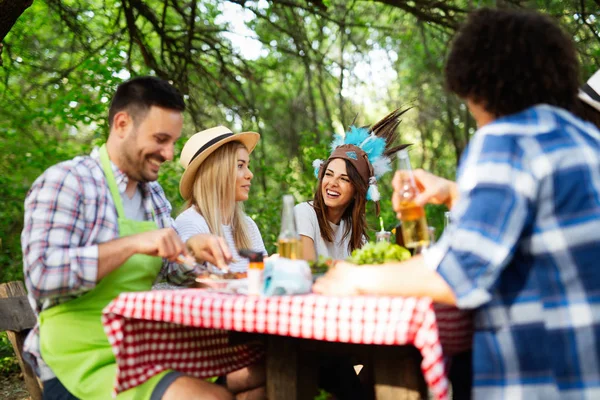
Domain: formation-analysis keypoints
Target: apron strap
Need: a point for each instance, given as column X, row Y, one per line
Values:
column 110, row 180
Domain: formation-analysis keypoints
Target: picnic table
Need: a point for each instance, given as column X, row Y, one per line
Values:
column 189, row 331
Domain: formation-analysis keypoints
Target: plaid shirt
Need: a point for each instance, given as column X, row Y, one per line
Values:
column 523, row 250
column 68, row 212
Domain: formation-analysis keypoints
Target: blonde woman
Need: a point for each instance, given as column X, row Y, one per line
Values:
column 215, row 183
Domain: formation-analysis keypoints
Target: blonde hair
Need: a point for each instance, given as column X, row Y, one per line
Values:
column 213, row 194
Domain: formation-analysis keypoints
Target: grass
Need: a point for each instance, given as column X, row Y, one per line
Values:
column 8, row 361
column 12, row 386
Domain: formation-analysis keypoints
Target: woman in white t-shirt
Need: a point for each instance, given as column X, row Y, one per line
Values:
column 334, row 223
column 215, row 183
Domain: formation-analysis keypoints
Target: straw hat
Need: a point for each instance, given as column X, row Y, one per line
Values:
column 203, row 144
column 590, row 91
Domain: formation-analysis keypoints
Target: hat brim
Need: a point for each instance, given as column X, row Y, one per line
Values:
column 583, row 96
column 186, row 183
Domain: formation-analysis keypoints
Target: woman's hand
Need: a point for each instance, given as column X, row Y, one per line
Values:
column 210, row 248
column 340, row 280
column 434, row 190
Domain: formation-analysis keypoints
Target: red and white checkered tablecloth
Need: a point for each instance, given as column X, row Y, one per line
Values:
column 455, row 328
column 154, row 331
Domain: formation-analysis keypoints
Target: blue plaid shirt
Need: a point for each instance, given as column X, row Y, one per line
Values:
column 524, row 251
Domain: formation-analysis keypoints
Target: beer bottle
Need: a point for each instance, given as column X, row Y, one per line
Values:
column 288, row 242
column 415, row 231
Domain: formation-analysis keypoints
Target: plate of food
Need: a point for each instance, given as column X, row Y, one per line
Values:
column 209, row 280
column 321, row 266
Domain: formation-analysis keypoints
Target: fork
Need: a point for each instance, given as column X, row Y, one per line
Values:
column 190, row 262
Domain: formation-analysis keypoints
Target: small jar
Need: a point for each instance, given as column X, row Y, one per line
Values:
column 382, row 236
column 255, row 271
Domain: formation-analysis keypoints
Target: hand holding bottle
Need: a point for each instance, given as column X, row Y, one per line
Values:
column 433, row 189
column 415, row 233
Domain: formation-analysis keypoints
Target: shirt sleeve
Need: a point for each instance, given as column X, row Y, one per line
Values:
column 257, row 241
column 306, row 220
column 56, row 260
column 497, row 193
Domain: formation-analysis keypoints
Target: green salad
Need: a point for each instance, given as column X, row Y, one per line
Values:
column 321, row 265
column 379, row 253
column 370, row 253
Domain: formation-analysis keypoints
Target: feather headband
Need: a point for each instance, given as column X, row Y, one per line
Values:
column 369, row 149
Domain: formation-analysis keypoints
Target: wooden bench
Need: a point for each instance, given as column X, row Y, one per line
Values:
column 17, row 318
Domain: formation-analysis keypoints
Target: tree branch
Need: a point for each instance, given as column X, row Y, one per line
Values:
column 10, row 11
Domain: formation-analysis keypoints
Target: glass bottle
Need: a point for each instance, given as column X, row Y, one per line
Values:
column 431, row 231
column 382, row 235
column 415, row 231
column 288, row 242
column 447, row 219
column 398, row 234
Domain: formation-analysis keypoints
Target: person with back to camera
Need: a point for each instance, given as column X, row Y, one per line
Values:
column 522, row 248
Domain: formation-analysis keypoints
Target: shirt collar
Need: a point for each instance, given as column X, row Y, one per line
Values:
column 121, row 177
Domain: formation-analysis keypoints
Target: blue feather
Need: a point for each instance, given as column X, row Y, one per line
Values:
column 374, row 147
column 338, row 140
column 356, row 136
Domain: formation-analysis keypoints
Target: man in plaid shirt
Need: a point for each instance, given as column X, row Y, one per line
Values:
column 523, row 247
column 73, row 244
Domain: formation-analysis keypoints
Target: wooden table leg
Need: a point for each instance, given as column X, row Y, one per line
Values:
column 397, row 373
column 291, row 375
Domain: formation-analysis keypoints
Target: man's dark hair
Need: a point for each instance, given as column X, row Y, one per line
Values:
column 137, row 95
column 509, row 60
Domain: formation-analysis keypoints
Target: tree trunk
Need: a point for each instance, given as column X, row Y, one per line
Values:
column 10, row 11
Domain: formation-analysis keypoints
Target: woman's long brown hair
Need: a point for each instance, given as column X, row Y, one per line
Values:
column 354, row 215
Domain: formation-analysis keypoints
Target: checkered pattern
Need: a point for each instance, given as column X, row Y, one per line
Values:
column 522, row 251
column 151, row 331
column 455, row 329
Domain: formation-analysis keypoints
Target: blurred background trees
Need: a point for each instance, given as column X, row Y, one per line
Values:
column 294, row 70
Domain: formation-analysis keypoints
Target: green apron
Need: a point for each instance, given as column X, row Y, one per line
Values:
column 72, row 339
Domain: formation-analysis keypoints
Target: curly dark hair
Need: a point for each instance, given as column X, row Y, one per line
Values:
column 509, row 60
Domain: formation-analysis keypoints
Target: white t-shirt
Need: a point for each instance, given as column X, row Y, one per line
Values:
column 308, row 225
column 190, row 223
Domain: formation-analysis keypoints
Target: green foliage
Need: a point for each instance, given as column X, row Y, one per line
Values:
column 323, row 395
column 8, row 362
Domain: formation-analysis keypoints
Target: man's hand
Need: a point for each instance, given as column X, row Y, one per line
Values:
column 164, row 243
column 210, row 248
column 341, row 280
column 409, row 278
column 434, row 190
